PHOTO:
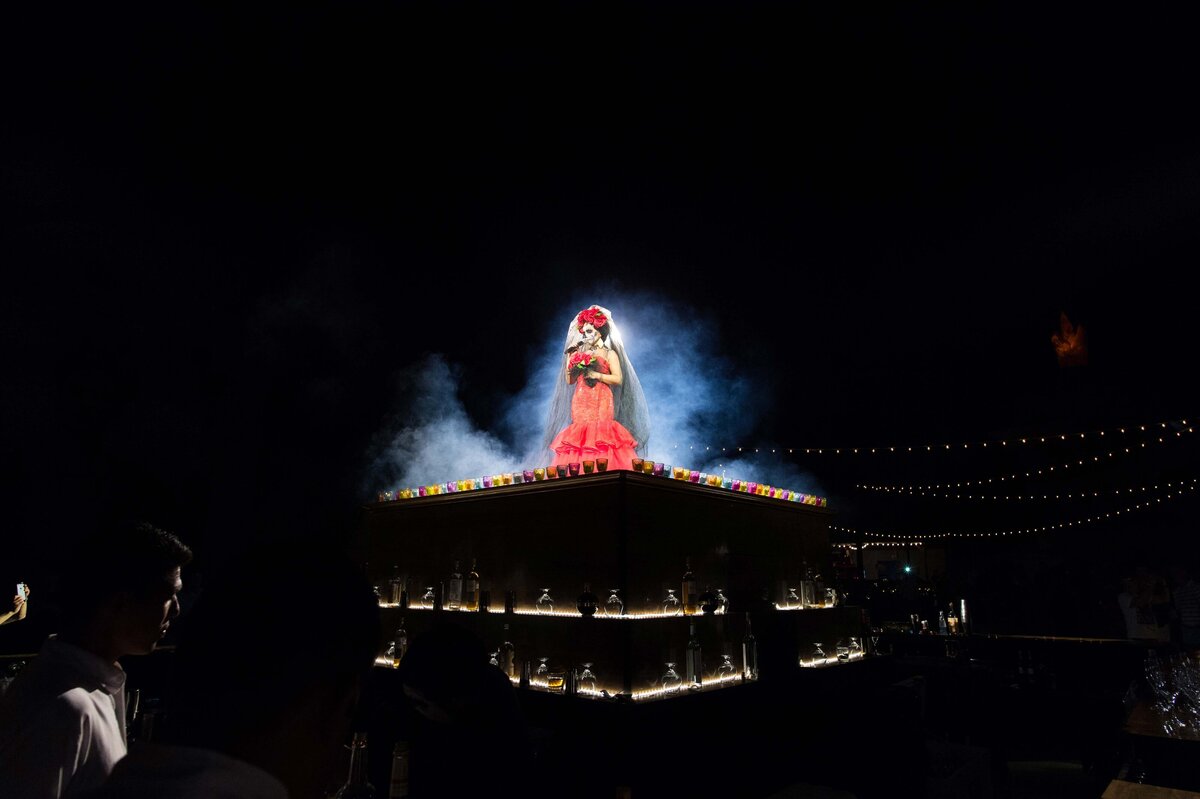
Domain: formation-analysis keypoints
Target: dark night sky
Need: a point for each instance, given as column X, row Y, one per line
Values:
column 228, row 230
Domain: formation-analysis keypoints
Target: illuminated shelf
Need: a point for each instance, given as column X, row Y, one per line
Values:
column 558, row 614
column 644, row 695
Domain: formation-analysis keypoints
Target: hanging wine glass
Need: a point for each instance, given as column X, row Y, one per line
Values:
column 494, row 659
column 792, row 600
column 543, row 669
column 831, row 597
column 726, row 669
column 842, row 650
column 819, row 655
column 587, row 679
column 670, row 605
column 613, row 605
column 545, row 604
column 722, row 603
column 855, row 647
column 427, row 598
column 671, row 679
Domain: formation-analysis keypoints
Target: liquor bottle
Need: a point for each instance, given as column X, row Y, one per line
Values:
column 508, row 656
column 526, row 674
column 400, row 644
column 356, row 785
column 952, row 621
column 398, row 785
column 689, row 596
column 749, row 653
column 943, row 628
column 471, row 589
column 808, row 589
column 695, row 661
column 455, row 592
column 587, row 602
column 397, row 585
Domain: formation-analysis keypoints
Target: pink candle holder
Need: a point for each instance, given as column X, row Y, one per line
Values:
column 573, row 469
column 658, row 469
column 487, row 481
column 736, row 485
column 694, row 477
column 752, row 488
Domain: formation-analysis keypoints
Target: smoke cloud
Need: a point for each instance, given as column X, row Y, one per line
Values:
column 698, row 403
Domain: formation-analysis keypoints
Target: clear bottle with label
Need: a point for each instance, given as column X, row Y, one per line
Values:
column 454, row 590
column 808, row 589
column 508, row 655
column 695, row 659
column 749, row 653
column 356, row 785
column 471, row 589
column 689, row 596
column 396, row 585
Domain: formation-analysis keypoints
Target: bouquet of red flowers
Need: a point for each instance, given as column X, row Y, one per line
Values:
column 580, row 363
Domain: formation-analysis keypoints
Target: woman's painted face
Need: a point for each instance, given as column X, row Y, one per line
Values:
column 590, row 334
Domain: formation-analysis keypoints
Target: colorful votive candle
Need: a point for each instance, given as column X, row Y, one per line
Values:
column 573, row 469
column 736, row 485
column 487, row 481
column 508, row 478
column 562, row 469
column 589, row 467
column 518, row 478
column 752, row 488
column 648, row 467
column 694, row 477
column 658, row 469
column 539, row 473
column 602, row 464
column 637, row 464
column 528, row 475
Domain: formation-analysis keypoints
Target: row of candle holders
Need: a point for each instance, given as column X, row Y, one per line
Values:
column 560, row 472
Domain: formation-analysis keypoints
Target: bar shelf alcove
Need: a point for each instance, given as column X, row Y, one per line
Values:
column 632, row 532
column 623, row 530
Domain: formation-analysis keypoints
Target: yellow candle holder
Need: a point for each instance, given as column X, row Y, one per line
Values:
column 539, row 473
column 647, row 467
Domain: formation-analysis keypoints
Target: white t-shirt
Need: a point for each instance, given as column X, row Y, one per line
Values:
column 62, row 724
column 159, row 771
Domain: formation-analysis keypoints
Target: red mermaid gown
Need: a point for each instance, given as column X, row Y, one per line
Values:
column 593, row 432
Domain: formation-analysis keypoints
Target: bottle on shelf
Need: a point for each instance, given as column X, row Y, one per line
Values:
column 808, row 589
column 455, row 591
column 952, row 621
column 508, row 655
column 749, row 653
column 526, row 673
column 471, row 589
column 398, row 785
column 356, row 785
column 695, row 660
column 943, row 627
column 587, row 602
column 689, row 596
column 399, row 644
column 397, row 585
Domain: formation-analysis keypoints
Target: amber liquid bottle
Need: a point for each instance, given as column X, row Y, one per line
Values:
column 688, row 596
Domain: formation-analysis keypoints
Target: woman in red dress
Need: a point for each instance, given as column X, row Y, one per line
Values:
column 599, row 388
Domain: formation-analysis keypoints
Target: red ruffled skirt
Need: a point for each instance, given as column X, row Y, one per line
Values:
column 593, row 432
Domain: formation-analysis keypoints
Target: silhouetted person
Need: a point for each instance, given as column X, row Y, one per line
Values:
column 267, row 676
column 468, row 737
column 62, row 721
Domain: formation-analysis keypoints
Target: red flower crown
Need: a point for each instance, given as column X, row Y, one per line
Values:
column 594, row 316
